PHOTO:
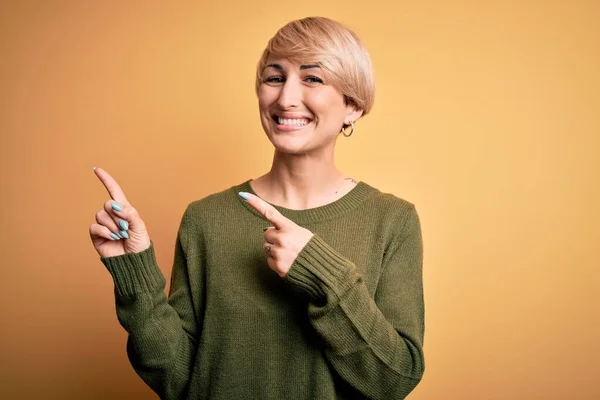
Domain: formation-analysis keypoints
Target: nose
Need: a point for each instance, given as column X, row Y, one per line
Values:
column 290, row 95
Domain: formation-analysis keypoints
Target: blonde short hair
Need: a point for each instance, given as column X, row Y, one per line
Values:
column 335, row 48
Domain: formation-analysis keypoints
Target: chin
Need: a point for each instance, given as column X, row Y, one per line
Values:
column 287, row 148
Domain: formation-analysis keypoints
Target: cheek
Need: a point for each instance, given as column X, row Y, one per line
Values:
column 329, row 103
column 265, row 97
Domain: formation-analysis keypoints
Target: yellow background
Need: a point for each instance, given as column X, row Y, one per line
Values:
column 486, row 117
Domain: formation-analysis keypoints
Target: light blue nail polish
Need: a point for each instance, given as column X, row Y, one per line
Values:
column 116, row 206
column 123, row 224
column 244, row 195
column 112, row 235
column 124, row 234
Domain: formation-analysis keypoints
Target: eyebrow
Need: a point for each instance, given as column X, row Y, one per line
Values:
column 302, row 67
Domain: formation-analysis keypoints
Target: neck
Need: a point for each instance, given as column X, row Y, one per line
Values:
column 301, row 182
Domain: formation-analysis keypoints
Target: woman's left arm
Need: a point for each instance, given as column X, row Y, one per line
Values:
column 374, row 344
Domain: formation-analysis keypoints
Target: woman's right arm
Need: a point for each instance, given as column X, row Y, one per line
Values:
column 162, row 332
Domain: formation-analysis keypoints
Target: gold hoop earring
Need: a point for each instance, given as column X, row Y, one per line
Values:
column 351, row 130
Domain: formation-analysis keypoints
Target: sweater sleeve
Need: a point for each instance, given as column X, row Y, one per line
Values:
column 374, row 344
column 162, row 332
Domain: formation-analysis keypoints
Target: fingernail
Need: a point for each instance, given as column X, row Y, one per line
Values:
column 265, row 229
column 124, row 234
column 116, row 206
column 123, row 224
column 115, row 237
column 94, row 168
column 244, row 195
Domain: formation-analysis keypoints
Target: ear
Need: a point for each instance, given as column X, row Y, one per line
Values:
column 352, row 114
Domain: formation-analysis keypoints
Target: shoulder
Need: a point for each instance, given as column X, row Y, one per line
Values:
column 211, row 207
column 213, row 201
column 390, row 204
column 395, row 216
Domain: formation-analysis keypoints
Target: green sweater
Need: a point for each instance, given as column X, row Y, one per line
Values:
column 347, row 322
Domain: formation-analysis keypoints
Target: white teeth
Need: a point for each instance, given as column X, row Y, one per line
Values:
column 292, row 122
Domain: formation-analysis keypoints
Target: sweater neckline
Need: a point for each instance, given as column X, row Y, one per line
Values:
column 328, row 211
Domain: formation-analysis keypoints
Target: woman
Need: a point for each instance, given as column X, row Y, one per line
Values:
column 300, row 284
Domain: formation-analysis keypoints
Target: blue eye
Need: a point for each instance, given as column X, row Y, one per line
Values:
column 314, row 79
column 274, row 79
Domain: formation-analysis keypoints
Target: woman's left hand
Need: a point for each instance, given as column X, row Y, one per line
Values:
column 284, row 240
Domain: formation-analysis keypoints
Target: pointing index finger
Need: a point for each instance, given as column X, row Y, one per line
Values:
column 270, row 213
column 113, row 188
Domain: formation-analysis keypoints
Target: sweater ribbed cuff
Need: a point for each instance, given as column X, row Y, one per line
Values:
column 135, row 272
column 321, row 271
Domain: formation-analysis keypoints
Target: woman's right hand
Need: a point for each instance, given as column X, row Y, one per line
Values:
column 119, row 218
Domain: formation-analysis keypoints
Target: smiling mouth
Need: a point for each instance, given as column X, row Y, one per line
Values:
column 298, row 122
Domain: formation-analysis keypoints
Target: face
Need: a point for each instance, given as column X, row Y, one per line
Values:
column 299, row 110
